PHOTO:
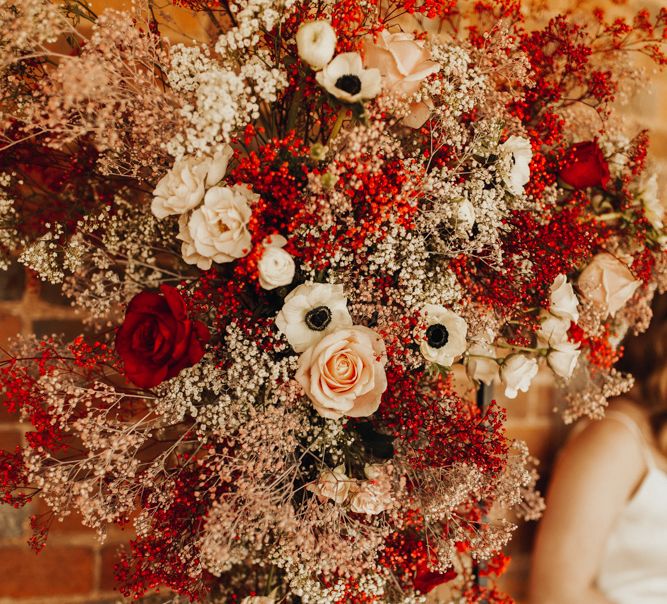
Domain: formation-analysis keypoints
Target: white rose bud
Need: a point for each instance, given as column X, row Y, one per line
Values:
column 553, row 329
column 332, row 484
column 482, row 365
column 563, row 301
column 465, row 216
column 276, row 266
column 653, row 207
column 518, row 154
column 608, row 283
column 316, row 43
column 517, row 373
column 562, row 359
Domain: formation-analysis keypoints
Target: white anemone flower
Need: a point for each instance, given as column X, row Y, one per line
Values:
column 312, row 311
column 347, row 80
column 445, row 337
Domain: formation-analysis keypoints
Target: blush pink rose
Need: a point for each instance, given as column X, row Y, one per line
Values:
column 404, row 63
column 343, row 373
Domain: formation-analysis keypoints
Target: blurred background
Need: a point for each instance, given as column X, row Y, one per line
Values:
column 75, row 567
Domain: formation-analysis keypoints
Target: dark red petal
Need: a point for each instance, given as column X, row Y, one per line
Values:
column 175, row 302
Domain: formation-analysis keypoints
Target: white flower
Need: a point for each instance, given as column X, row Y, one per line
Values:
column 332, row 484
column 465, row 216
column 518, row 153
column 312, row 311
column 445, row 337
column 563, row 357
column 316, row 43
column 517, row 372
column 482, row 365
column 270, row 599
column 608, row 283
column 347, row 80
column 343, row 374
column 374, row 495
column 553, row 329
column 563, row 301
column 217, row 231
column 653, row 207
column 183, row 187
column 276, row 266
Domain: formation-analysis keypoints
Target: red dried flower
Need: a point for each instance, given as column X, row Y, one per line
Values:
column 586, row 166
column 157, row 339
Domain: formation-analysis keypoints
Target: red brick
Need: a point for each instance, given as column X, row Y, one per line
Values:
column 56, row 571
column 9, row 439
column 109, row 557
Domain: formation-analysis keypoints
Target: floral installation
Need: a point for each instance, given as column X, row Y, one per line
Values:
column 286, row 240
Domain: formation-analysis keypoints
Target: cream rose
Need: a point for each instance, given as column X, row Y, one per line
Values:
column 332, row 484
column 404, row 64
column 183, row 187
column 608, row 283
column 563, row 302
column 517, row 372
column 553, row 329
column 562, row 359
column 276, row 266
column 343, row 374
column 217, row 231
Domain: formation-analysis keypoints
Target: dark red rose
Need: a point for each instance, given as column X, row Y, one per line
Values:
column 585, row 166
column 426, row 580
column 157, row 339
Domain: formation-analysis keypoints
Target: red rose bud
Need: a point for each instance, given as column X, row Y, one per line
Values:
column 157, row 339
column 586, row 166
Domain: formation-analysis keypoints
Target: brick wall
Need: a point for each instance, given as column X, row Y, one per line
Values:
column 75, row 568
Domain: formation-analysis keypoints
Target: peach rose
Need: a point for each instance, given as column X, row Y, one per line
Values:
column 343, row 373
column 608, row 283
column 404, row 63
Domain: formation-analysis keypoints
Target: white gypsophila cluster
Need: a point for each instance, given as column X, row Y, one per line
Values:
column 43, row 255
column 252, row 19
column 107, row 261
column 221, row 96
column 28, row 24
column 10, row 238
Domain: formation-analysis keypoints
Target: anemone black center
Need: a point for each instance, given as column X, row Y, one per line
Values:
column 318, row 318
column 349, row 83
column 437, row 335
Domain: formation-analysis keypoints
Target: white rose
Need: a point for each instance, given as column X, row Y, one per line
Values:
column 445, row 336
column 343, row 374
column 374, row 495
column 553, row 329
column 608, row 283
column 653, row 207
column 563, row 357
column 517, row 372
column 183, row 187
column 347, row 80
column 518, row 153
column 482, row 365
column 316, row 43
column 312, row 311
column 332, row 484
column 276, row 266
column 217, row 231
column 563, row 301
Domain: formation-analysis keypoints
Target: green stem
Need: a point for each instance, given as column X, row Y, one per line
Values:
column 339, row 123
